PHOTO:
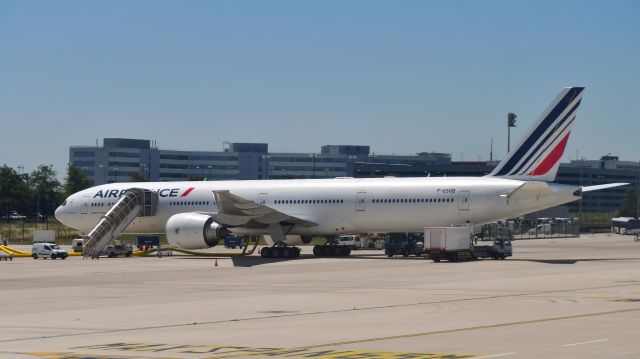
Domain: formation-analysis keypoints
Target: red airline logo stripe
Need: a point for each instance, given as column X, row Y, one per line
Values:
column 552, row 158
column 187, row 192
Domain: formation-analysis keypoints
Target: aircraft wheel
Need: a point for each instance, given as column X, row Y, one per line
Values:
column 325, row 251
column 316, row 251
column 335, row 251
column 348, row 252
column 276, row 252
column 342, row 252
column 296, row 252
column 286, row 253
column 265, row 252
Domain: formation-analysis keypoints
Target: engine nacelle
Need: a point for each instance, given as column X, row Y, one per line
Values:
column 194, row 231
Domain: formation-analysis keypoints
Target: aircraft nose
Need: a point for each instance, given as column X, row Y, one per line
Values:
column 59, row 214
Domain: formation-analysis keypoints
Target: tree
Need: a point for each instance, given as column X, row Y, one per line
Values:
column 75, row 181
column 138, row 177
column 45, row 191
column 14, row 192
column 629, row 206
column 196, row 178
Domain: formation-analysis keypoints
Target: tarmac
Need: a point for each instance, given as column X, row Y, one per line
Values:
column 555, row 298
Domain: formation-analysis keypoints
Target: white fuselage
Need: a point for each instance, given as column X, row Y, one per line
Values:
column 341, row 205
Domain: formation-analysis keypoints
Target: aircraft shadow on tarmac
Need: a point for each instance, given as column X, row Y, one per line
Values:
column 251, row 261
column 573, row 261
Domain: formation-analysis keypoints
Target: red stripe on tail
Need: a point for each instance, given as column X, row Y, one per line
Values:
column 552, row 158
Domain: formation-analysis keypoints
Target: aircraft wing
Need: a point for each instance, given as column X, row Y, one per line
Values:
column 235, row 211
column 602, row 186
column 529, row 190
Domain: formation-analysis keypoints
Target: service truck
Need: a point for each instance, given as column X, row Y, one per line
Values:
column 498, row 247
column 351, row 240
column 458, row 243
column 404, row 244
column 118, row 248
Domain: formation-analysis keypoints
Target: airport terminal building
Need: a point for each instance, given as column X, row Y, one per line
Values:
column 118, row 159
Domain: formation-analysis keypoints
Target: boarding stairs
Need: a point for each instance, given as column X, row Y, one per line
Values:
column 135, row 202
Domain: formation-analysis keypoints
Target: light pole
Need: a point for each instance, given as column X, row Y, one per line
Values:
column 511, row 122
column 313, row 157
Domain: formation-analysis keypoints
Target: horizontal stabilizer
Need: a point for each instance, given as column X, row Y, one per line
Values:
column 529, row 190
column 602, row 186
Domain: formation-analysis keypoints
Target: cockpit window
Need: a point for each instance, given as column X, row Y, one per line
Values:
column 64, row 203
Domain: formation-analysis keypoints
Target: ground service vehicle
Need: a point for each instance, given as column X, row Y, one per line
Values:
column 497, row 248
column 233, row 242
column 457, row 244
column 404, row 244
column 118, row 248
column 48, row 250
column 76, row 245
column 625, row 225
column 350, row 240
column 451, row 243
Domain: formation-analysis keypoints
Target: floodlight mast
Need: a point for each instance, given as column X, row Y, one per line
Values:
column 511, row 122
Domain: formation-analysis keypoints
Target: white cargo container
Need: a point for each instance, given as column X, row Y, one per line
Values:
column 452, row 243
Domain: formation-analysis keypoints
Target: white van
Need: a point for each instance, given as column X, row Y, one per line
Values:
column 544, row 228
column 48, row 250
column 77, row 244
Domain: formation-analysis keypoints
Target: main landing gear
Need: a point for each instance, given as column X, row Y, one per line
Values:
column 280, row 252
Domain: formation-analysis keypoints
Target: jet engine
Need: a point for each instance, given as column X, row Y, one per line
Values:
column 194, row 231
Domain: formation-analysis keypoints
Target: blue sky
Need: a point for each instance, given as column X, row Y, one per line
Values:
column 401, row 76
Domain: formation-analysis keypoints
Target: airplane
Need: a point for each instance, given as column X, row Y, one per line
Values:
column 197, row 215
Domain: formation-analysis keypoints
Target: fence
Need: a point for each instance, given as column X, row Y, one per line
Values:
column 21, row 232
column 533, row 230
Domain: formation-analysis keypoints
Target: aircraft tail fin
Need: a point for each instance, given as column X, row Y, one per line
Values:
column 537, row 155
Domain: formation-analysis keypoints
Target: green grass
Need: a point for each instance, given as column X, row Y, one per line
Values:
column 22, row 232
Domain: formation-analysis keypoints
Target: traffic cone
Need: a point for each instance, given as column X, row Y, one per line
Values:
column 216, row 264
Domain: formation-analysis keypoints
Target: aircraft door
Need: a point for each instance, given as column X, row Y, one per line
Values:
column 361, row 201
column 84, row 205
column 464, row 200
column 262, row 198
